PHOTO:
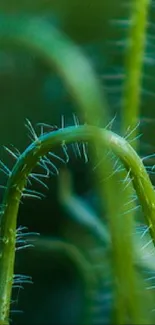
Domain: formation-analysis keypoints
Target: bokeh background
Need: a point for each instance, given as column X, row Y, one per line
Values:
column 28, row 89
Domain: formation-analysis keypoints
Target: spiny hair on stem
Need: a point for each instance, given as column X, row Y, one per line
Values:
column 46, row 166
column 19, row 280
column 49, row 168
column 24, row 238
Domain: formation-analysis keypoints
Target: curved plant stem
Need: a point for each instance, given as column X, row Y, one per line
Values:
column 27, row 162
column 42, row 38
column 58, row 51
column 51, row 45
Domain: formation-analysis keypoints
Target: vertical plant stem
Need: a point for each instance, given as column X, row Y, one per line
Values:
column 134, row 65
column 130, row 118
column 73, row 67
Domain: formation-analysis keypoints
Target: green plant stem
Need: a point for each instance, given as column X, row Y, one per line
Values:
column 27, row 162
column 59, row 52
column 55, row 48
column 132, row 85
column 134, row 63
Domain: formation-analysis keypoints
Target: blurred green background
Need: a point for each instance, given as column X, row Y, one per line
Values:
column 28, row 89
